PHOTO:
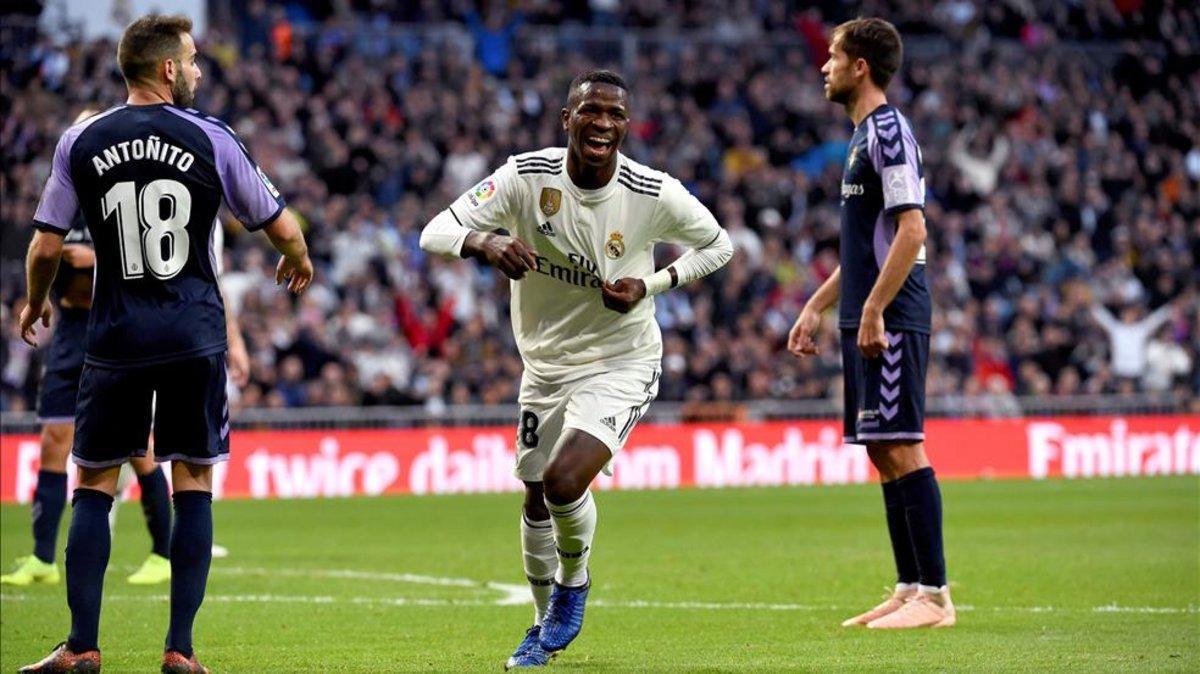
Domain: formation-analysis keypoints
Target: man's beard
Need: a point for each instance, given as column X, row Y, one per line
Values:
column 183, row 94
column 839, row 96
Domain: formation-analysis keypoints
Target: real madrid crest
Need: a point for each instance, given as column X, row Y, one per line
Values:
column 551, row 201
column 615, row 247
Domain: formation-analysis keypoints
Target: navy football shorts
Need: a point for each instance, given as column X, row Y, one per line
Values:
column 190, row 413
column 885, row 396
column 64, row 364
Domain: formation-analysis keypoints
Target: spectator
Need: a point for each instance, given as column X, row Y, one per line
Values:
column 1129, row 336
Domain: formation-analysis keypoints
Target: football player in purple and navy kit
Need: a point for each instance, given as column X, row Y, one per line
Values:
column 149, row 177
column 884, row 318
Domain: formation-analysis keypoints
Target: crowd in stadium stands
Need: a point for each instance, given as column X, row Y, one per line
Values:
column 1063, row 187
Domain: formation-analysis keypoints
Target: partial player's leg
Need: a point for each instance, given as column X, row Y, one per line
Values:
column 191, row 556
column 56, row 412
column 541, row 563
column 601, row 413
column 885, row 410
column 88, row 547
column 890, row 420
column 191, row 429
column 909, row 470
column 854, row 372
column 49, row 501
column 540, row 423
column 156, row 507
column 578, row 460
column 112, row 423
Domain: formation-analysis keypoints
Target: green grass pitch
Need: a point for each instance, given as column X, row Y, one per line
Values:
column 1090, row 576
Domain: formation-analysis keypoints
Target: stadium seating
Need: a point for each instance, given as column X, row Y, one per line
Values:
column 1057, row 186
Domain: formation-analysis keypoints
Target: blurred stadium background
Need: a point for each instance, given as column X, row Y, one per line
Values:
column 1062, row 152
column 1062, row 156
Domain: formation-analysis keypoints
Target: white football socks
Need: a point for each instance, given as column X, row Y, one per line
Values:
column 537, row 549
column 574, row 527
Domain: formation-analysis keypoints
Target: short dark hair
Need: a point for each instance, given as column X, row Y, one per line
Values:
column 597, row 77
column 875, row 41
column 149, row 40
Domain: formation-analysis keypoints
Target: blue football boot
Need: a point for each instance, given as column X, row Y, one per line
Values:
column 564, row 616
column 529, row 652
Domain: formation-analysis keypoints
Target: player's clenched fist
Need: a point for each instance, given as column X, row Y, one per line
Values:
column 509, row 254
column 623, row 295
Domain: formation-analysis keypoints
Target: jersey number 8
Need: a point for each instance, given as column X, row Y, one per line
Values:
column 148, row 237
column 528, row 431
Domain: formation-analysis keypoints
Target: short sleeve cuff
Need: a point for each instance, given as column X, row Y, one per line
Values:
column 900, row 208
column 269, row 219
column 44, row 226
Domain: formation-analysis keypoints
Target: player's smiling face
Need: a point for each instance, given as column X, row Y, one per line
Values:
column 595, row 119
column 840, row 79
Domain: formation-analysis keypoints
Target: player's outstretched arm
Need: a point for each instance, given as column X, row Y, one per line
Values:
column 802, row 340
column 41, row 264
column 294, row 264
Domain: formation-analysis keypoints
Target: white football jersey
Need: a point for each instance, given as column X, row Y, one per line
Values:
column 582, row 238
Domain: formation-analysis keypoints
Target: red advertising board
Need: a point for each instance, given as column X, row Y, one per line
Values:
column 294, row 464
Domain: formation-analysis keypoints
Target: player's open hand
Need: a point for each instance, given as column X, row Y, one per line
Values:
column 871, row 338
column 509, row 254
column 297, row 272
column 29, row 318
column 623, row 295
column 802, row 340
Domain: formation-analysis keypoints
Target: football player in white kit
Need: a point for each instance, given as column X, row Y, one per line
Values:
column 582, row 222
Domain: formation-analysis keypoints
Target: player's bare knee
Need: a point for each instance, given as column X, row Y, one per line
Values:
column 561, row 485
column 895, row 460
column 187, row 476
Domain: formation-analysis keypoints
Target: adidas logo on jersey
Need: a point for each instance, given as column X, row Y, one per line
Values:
column 546, row 228
column 611, row 422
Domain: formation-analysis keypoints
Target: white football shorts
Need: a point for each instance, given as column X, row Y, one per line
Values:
column 606, row 405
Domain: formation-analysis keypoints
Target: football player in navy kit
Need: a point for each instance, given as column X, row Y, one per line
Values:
column 72, row 293
column 149, row 177
column 884, row 318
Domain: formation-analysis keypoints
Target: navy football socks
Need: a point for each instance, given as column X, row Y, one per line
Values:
column 897, row 522
column 923, row 509
column 49, row 500
column 88, row 544
column 156, row 505
column 191, row 554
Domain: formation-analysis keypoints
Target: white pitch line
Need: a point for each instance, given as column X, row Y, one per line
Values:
column 619, row 604
column 513, row 594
